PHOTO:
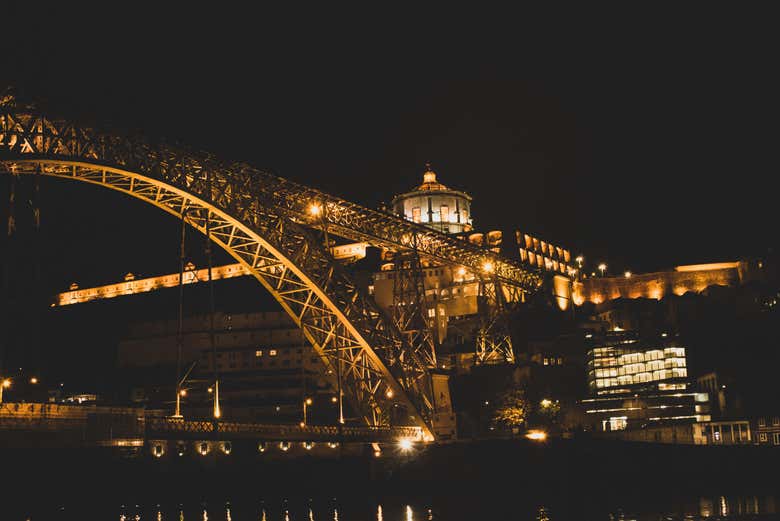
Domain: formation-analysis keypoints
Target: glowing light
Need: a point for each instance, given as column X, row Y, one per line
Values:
column 628, row 274
column 158, row 450
column 579, row 260
column 33, row 380
column 7, row 383
column 602, row 268
column 333, row 399
column 333, row 444
column 210, row 389
column 183, row 392
column 546, row 403
column 488, row 267
column 227, row 447
column 261, row 446
column 405, row 444
column 308, row 401
column 315, row 210
column 308, row 445
column 377, row 453
column 285, row 446
column 302, row 425
column 461, row 272
column 389, row 393
column 536, row 435
column 203, row 448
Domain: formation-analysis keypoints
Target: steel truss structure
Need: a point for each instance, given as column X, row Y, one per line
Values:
column 265, row 223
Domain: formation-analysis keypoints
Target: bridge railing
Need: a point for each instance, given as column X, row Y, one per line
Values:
column 155, row 427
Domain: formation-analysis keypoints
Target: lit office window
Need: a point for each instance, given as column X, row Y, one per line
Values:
column 272, row 352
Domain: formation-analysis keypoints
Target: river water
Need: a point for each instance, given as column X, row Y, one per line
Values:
column 471, row 482
column 740, row 507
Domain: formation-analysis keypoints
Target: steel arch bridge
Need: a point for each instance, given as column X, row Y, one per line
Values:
column 265, row 223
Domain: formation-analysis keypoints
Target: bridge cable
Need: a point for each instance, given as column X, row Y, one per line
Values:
column 38, row 295
column 5, row 336
column 212, row 340
column 180, row 329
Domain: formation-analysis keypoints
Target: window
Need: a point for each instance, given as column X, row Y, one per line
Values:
column 546, row 361
column 775, row 421
column 445, row 213
column 431, row 313
column 416, row 214
column 762, row 437
column 776, row 438
column 761, row 422
column 272, row 352
column 259, row 353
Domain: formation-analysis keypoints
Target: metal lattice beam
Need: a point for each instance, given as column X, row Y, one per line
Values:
column 263, row 221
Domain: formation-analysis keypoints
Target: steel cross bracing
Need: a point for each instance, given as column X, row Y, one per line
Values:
column 494, row 341
column 261, row 219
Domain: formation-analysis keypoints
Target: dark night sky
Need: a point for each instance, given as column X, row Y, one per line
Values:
column 643, row 139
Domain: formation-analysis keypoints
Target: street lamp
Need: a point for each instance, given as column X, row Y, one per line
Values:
column 628, row 274
column 306, row 402
column 602, row 268
column 546, row 403
column 5, row 385
column 580, row 259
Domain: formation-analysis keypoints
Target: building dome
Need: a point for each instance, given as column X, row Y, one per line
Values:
column 435, row 205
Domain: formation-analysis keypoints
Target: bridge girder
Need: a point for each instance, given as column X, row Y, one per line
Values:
column 264, row 222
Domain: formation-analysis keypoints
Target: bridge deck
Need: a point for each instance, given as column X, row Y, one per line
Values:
column 168, row 428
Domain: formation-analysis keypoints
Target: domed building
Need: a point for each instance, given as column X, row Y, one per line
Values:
column 435, row 205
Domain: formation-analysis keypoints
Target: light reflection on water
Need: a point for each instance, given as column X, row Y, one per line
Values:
column 725, row 508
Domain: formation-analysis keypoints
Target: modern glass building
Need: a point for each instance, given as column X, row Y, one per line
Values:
column 637, row 382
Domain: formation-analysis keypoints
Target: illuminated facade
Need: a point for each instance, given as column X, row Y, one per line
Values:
column 435, row 205
column 678, row 281
column 635, row 381
column 265, row 365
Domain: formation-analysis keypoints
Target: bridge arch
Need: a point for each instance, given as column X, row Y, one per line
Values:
column 346, row 329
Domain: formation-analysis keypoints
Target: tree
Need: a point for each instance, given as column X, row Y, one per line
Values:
column 512, row 409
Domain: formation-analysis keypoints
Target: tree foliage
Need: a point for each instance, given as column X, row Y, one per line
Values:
column 512, row 409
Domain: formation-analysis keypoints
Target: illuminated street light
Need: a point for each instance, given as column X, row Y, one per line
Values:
column 488, row 267
column 308, row 401
column 315, row 209
column 546, row 403
column 389, row 393
column 210, row 390
column 334, row 399
column 628, row 274
column 5, row 385
column 33, row 380
column 217, row 410
column 183, row 392
column 405, row 444
column 536, row 435
column 602, row 268
column 580, row 259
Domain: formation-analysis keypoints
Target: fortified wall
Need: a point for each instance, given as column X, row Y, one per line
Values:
column 680, row 280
